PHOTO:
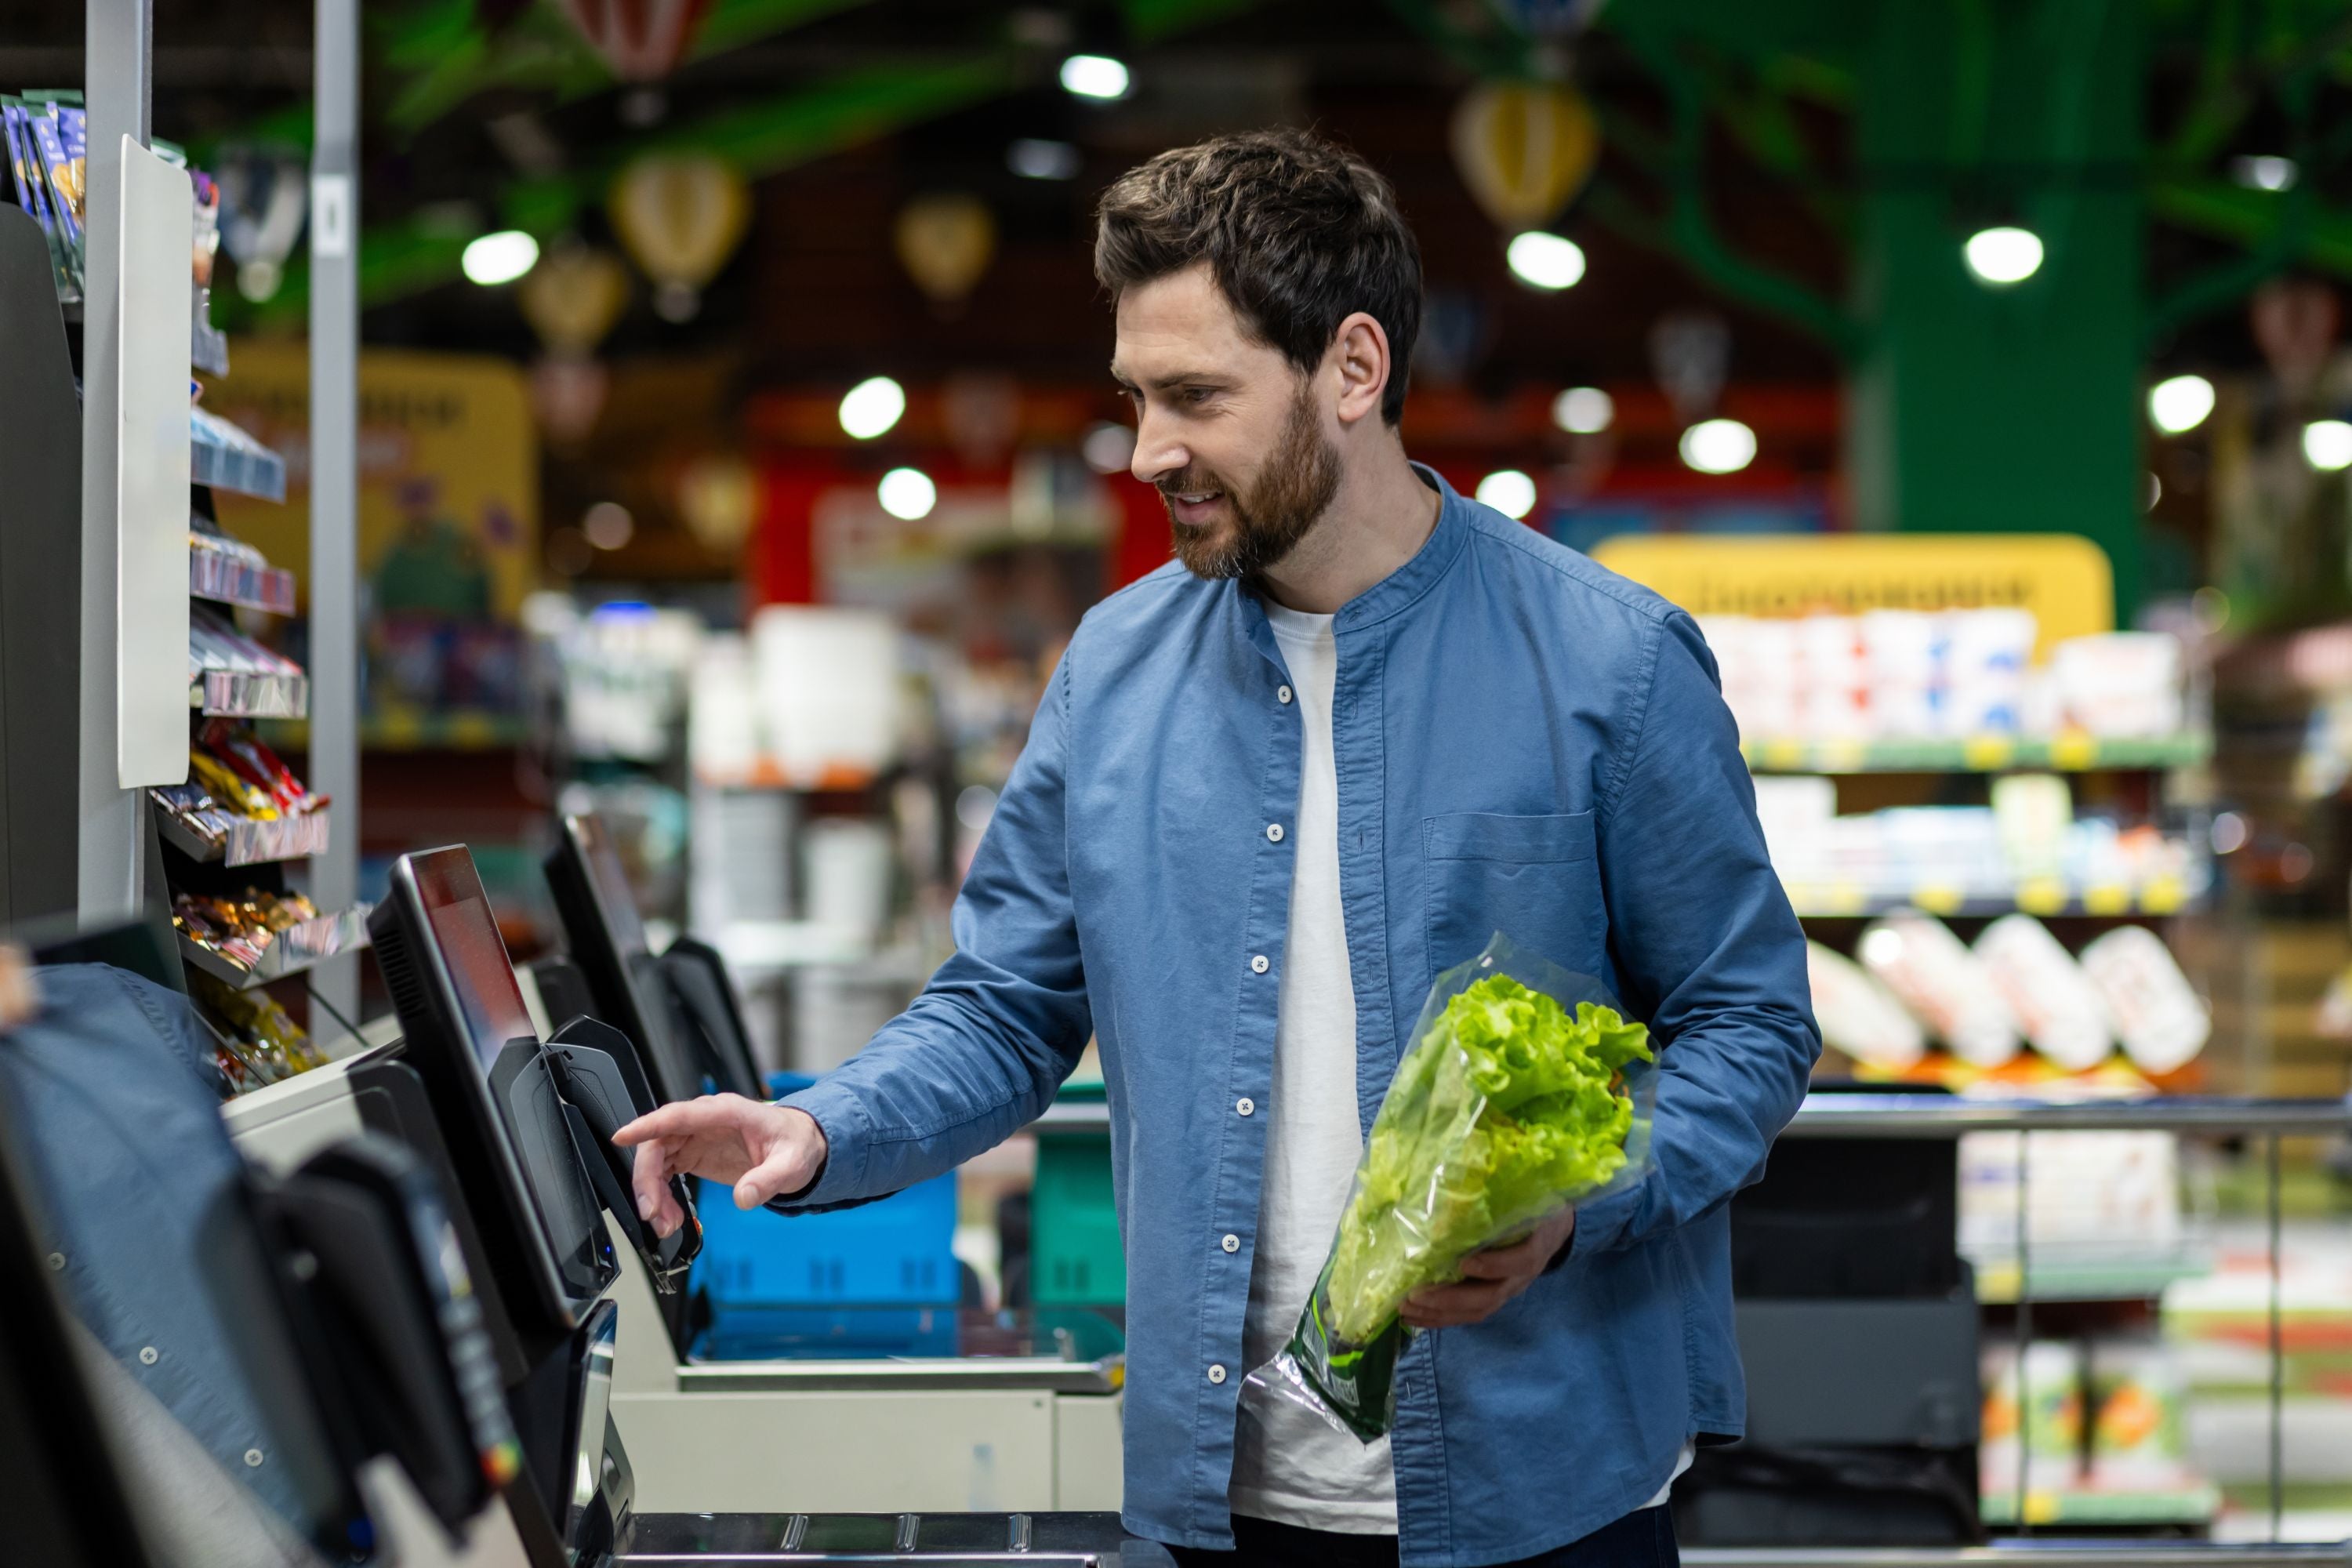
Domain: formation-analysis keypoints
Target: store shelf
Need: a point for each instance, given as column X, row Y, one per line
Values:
column 2073, row 753
column 228, row 581
column 290, row 951
column 2192, row 1505
column 767, row 774
column 207, row 347
column 250, row 841
column 225, row 458
column 466, row 730
column 1818, row 900
column 2119, row 1280
column 233, row 694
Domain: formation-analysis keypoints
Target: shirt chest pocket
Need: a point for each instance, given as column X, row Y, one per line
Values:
column 1536, row 880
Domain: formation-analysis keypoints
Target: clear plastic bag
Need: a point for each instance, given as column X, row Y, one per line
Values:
column 1524, row 1091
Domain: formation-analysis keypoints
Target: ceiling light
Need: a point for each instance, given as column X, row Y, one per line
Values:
column 608, row 525
column 2264, row 172
column 2327, row 444
column 1584, row 410
column 2180, row 403
column 1095, row 76
column 2003, row 256
column 1508, row 492
column 1718, row 446
column 908, row 494
column 872, row 407
column 501, row 258
column 1033, row 159
column 1544, row 261
column 1108, row 449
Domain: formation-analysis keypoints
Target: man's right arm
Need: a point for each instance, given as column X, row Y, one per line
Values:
column 975, row 1057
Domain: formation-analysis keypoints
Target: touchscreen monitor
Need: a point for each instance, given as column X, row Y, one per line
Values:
column 608, row 941
column 470, row 1039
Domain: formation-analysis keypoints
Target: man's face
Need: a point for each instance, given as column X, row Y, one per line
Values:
column 1230, row 434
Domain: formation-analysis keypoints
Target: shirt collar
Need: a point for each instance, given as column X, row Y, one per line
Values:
column 1408, row 583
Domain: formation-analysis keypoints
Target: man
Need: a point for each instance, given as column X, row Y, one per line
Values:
column 1359, row 725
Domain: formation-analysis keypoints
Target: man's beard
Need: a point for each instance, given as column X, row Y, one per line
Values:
column 1294, row 490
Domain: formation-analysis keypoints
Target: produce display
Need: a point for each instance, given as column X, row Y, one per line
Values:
column 1521, row 1094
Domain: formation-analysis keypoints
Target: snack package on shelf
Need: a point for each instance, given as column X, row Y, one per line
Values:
column 2033, row 814
column 257, row 1042
column 220, row 567
column 237, row 676
column 2140, row 1440
column 1987, row 653
column 2041, row 1431
column 1858, row 1015
column 241, row 803
column 1904, row 654
column 2055, row 1003
column 239, row 929
column 1944, row 985
column 2158, row 1014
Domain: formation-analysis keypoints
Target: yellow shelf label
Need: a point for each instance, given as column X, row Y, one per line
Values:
column 1984, row 753
column 2041, row 896
column 1840, row 756
column 1783, row 756
column 2074, row 751
column 2163, row 896
column 2108, row 898
column 1843, row 899
column 1938, row 899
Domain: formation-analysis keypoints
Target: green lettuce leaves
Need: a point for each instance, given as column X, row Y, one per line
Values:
column 1507, row 1107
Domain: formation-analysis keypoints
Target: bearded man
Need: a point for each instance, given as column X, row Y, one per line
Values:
column 1358, row 725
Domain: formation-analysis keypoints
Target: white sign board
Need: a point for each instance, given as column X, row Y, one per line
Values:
column 151, row 472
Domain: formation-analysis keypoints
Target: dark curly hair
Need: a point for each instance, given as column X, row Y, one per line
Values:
column 1298, row 232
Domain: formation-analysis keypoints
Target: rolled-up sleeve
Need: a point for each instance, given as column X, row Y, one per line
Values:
column 980, row 1052
column 1705, row 947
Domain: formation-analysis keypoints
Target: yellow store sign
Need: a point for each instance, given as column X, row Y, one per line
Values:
column 2063, row 578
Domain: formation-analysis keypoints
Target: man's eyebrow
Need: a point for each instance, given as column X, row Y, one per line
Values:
column 1173, row 378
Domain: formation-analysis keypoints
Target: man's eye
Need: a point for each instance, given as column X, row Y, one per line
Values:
column 1196, row 396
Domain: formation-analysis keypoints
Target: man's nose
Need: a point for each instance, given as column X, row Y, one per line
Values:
column 1157, row 452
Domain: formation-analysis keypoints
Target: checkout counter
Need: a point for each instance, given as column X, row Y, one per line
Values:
column 572, row 1290
column 993, row 1411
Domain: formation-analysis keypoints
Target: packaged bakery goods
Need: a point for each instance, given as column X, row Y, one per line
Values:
column 1944, row 985
column 1859, row 1016
column 2157, row 1013
column 2055, row 1003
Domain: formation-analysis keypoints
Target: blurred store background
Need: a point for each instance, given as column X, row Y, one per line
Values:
column 737, row 455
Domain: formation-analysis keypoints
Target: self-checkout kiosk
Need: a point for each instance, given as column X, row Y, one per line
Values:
column 995, row 1415
column 357, row 1359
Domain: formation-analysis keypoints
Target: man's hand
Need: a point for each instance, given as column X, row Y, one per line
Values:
column 764, row 1151
column 1489, row 1278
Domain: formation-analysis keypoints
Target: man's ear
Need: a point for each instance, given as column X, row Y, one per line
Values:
column 1359, row 356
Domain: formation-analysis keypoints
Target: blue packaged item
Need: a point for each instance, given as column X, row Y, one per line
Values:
column 896, row 1252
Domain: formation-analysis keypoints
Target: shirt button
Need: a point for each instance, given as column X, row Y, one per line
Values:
column 1231, row 1244
column 1274, row 832
column 1259, row 965
column 1246, row 1105
column 1216, row 1375
column 253, row 1458
column 57, row 1262
column 149, row 1356
column 1282, row 695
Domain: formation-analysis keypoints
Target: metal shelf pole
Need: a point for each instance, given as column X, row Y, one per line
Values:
column 119, row 38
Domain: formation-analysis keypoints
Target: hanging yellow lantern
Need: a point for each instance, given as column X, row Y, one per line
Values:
column 573, row 297
column 718, row 495
column 945, row 242
column 1525, row 149
column 681, row 215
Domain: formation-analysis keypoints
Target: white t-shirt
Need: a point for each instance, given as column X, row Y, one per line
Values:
column 1290, row 1465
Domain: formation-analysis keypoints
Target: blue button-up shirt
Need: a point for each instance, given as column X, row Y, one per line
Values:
column 1526, row 743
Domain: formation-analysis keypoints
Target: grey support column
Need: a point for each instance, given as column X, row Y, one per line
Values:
column 334, row 760
column 120, row 36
